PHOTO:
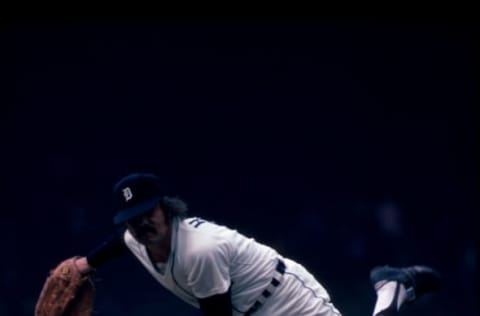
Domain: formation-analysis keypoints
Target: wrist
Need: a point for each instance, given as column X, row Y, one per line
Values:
column 83, row 266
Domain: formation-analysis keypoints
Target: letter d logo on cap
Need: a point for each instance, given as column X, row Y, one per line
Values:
column 127, row 194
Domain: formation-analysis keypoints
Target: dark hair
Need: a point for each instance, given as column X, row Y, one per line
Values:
column 174, row 207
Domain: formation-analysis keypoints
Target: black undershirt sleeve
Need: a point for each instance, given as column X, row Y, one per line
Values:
column 113, row 247
column 217, row 305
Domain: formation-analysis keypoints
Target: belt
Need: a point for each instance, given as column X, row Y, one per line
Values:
column 276, row 279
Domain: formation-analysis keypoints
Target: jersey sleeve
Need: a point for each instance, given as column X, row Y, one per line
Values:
column 209, row 271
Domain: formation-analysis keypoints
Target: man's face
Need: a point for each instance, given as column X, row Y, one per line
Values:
column 150, row 229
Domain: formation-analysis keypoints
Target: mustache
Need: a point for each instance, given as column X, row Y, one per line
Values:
column 145, row 229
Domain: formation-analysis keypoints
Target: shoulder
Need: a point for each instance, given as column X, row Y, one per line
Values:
column 202, row 238
column 128, row 238
column 202, row 227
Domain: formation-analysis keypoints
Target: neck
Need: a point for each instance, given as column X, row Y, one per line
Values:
column 159, row 252
column 158, row 255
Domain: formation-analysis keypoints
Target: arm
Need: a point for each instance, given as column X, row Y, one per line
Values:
column 111, row 248
column 69, row 288
column 216, row 305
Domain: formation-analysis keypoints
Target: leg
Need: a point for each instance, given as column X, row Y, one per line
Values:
column 398, row 286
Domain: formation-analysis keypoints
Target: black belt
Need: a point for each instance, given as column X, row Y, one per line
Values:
column 279, row 271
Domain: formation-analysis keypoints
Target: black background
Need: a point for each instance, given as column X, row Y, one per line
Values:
column 342, row 144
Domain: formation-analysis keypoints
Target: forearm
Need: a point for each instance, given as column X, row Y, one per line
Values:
column 111, row 248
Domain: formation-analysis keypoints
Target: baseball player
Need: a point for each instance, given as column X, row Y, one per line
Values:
column 223, row 272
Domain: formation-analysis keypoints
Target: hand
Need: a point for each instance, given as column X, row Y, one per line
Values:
column 83, row 266
column 68, row 290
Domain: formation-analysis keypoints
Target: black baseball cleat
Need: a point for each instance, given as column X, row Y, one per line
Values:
column 418, row 280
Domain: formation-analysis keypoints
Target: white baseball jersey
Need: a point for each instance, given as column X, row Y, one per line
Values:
column 208, row 259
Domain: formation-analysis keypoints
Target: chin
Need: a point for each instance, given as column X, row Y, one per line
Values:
column 150, row 238
column 142, row 241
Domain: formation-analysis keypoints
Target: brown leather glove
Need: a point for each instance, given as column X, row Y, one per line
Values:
column 67, row 292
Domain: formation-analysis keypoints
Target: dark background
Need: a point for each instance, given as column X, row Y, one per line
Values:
column 343, row 144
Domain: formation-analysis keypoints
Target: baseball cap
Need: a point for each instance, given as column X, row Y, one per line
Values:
column 134, row 195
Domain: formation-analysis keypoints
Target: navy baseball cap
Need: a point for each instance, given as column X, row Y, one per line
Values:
column 134, row 195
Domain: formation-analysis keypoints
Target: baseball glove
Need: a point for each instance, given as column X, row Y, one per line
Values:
column 67, row 292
